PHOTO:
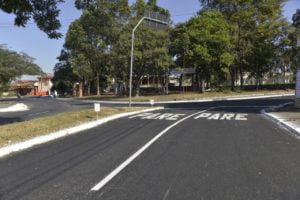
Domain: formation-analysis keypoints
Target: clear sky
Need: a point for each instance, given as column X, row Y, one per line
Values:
column 36, row 43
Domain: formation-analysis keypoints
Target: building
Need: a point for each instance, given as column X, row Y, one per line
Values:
column 33, row 85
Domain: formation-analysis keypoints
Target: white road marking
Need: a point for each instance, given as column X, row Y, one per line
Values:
column 140, row 115
column 215, row 116
column 203, row 115
column 153, row 116
column 241, row 117
column 129, row 160
column 164, row 116
column 175, row 117
column 223, row 116
column 159, row 116
column 227, row 116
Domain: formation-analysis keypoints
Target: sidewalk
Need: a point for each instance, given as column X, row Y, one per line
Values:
column 287, row 116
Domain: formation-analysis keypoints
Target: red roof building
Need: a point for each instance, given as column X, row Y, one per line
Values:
column 37, row 86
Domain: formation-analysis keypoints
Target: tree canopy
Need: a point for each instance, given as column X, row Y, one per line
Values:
column 226, row 43
column 44, row 13
column 13, row 64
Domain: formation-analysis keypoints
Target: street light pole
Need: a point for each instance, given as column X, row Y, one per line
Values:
column 297, row 90
column 132, row 51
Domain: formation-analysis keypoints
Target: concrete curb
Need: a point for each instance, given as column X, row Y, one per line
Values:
column 4, row 151
column 285, row 124
column 228, row 98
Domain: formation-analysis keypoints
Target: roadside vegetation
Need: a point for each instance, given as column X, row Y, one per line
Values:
column 176, row 96
column 20, row 131
column 226, row 44
column 13, row 64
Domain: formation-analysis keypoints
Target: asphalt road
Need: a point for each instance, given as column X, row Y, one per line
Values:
column 40, row 107
column 210, row 151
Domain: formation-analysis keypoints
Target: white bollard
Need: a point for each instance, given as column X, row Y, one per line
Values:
column 97, row 109
column 151, row 102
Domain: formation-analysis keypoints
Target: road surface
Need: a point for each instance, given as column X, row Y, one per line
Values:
column 210, row 151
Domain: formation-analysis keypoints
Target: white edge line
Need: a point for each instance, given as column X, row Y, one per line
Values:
column 117, row 170
column 6, row 150
column 284, row 124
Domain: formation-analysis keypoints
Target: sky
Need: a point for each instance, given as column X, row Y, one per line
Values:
column 45, row 51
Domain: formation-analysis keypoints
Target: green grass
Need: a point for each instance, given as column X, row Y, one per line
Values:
column 186, row 95
column 20, row 131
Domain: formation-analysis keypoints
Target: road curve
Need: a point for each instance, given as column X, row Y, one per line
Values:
column 213, row 150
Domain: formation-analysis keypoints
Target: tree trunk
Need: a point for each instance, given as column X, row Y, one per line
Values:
column 241, row 78
column 137, row 90
column 180, row 82
column 98, row 84
column 193, row 82
column 124, row 90
column 232, row 74
column 257, row 81
column 284, row 74
column 201, row 83
column 136, row 87
column 166, row 83
column 81, row 88
column 88, row 88
column 74, row 89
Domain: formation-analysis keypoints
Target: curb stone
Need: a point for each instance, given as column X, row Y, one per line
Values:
column 289, row 126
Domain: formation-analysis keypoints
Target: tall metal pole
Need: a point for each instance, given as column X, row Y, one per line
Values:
column 297, row 90
column 132, row 52
column 131, row 66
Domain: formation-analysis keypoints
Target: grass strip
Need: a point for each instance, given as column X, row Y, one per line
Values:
column 20, row 131
column 187, row 95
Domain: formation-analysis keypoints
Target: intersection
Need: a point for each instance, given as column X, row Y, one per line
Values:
column 213, row 150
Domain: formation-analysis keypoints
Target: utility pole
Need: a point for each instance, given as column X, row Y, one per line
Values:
column 297, row 90
column 132, row 50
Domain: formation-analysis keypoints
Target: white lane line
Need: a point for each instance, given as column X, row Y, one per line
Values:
column 39, row 113
column 117, row 170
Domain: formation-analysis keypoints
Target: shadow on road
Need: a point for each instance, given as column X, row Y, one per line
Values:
column 9, row 120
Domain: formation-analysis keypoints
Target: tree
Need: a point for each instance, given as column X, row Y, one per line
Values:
column 76, row 44
column 247, row 18
column 151, row 53
column 43, row 12
column 99, row 42
column 209, row 47
column 13, row 64
column 92, row 36
column 64, row 78
column 180, row 42
column 296, row 19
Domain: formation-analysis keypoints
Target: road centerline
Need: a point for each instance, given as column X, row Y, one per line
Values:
column 129, row 160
